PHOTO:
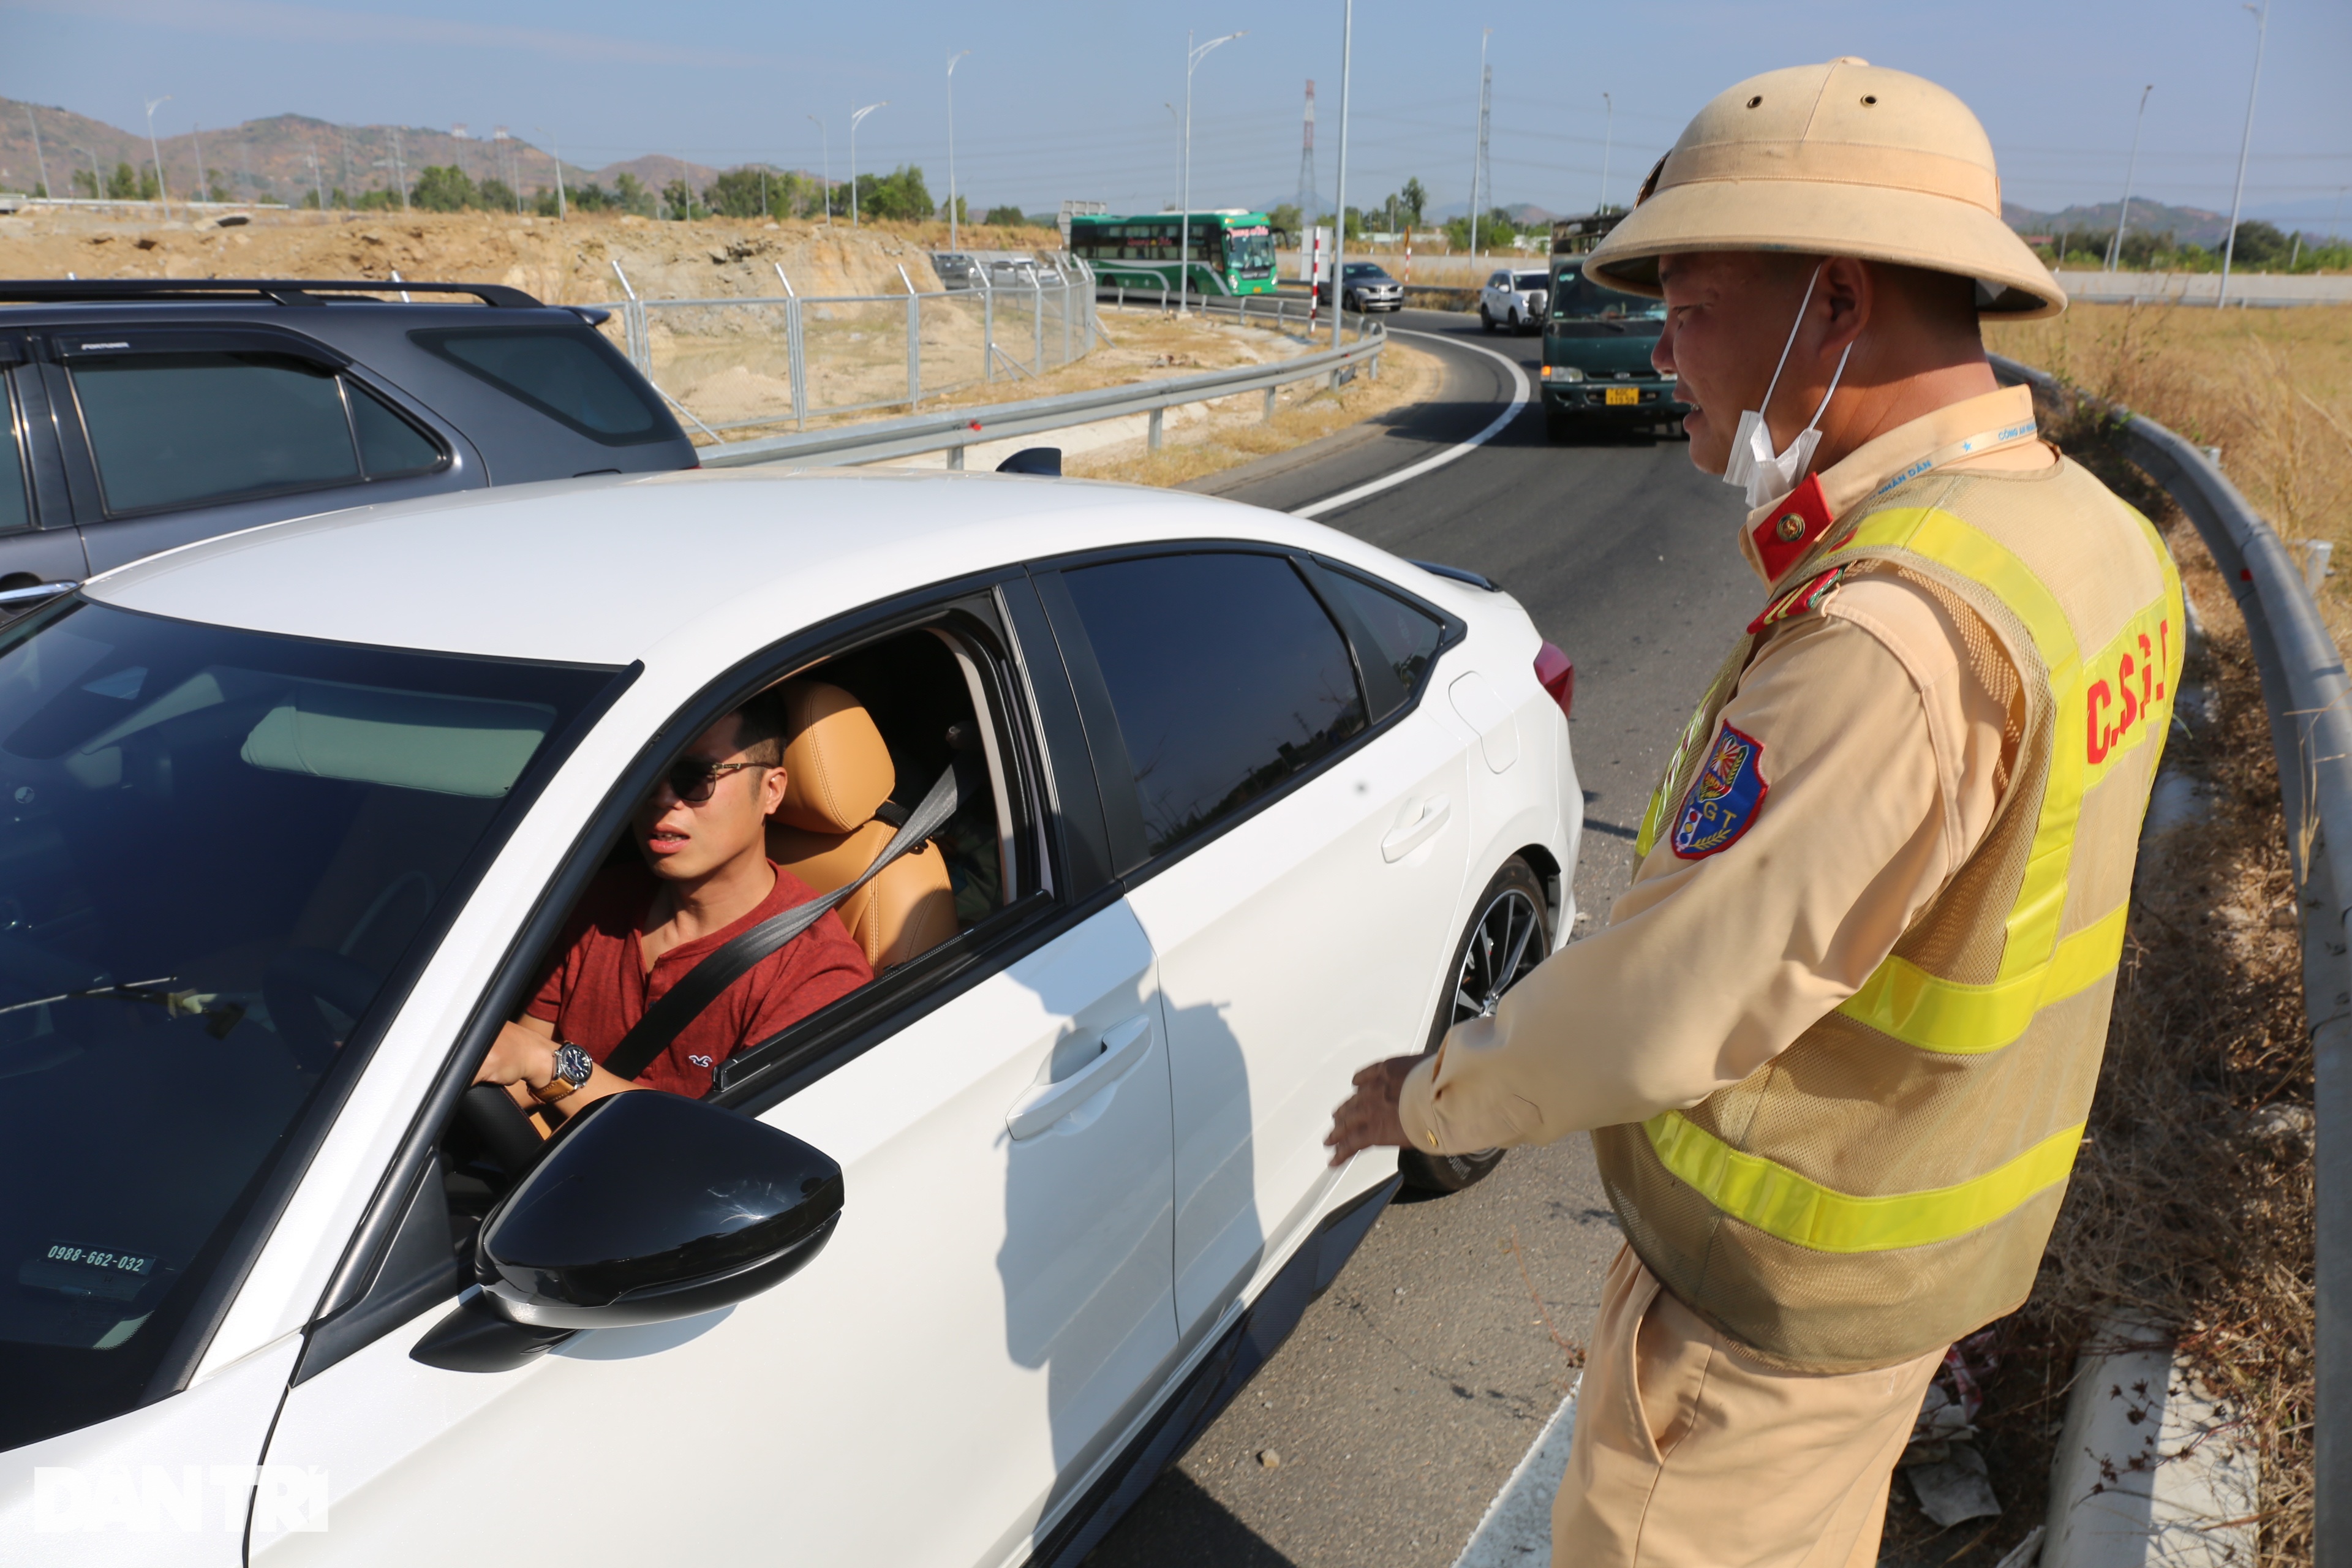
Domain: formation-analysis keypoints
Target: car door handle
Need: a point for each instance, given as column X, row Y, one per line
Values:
column 1122, row 1046
column 1404, row 840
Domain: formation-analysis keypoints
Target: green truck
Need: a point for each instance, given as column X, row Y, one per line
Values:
column 1596, row 347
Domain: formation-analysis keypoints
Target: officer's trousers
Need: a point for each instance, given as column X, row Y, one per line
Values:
column 1690, row 1453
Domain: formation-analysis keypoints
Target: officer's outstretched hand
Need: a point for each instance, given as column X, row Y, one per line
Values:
column 1368, row 1118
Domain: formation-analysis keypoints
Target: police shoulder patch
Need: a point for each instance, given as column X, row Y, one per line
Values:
column 1802, row 600
column 1723, row 799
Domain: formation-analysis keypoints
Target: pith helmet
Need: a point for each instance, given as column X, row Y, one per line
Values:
column 1842, row 159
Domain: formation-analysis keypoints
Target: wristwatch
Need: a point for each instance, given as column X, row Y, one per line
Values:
column 572, row 1066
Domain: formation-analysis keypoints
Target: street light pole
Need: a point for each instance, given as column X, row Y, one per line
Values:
column 2131, row 171
column 163, row 198
column 558, row 152
column 854, row 117
column 824, row 142
column 1339, row 225
column 1607, row 145
column 1192, row 57
column 2245, row 145
column 1478, row 145
column 1176, row 125
column 951, row 188
column 41, row 161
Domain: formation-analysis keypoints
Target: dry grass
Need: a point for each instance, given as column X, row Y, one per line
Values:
column 2273, row 389
column 2192, row 1198
column 1233, row 432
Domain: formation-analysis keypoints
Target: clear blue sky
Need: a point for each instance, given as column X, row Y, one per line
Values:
column 1060, row 99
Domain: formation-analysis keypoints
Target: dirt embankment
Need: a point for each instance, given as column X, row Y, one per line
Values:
column 564, row 263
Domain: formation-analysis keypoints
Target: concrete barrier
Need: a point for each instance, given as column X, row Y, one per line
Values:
column 2258, row 289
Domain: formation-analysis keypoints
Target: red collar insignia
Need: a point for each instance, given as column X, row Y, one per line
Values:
column 1791, row 527
column 1805, row 598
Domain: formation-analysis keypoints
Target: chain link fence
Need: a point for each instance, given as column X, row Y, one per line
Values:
column 748, row 364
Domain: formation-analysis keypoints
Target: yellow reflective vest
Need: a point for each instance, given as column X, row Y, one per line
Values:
column 1886, row 1184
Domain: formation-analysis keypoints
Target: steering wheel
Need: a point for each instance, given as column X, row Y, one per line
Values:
column 296, row 981
column 512, row 1138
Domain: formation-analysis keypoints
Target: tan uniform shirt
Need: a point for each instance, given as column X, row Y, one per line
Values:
column 1888, row 731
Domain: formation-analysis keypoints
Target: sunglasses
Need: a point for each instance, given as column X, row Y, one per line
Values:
column 692, row 779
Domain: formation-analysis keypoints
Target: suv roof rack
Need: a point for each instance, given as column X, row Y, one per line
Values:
column 284, row 290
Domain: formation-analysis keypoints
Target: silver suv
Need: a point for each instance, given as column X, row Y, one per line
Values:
column 1516, row 300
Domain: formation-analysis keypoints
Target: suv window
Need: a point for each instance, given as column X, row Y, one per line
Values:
column 183, row 429
column 13, row 511
column 1226, row 677
column 174, row 986
column 569, row 374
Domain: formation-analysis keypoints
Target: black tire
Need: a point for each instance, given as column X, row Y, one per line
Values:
column 1510, row 931
column 1556, row 425
column 1484, row 317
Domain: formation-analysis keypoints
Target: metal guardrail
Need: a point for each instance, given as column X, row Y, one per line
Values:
column 2309, row 696
column 951, row 430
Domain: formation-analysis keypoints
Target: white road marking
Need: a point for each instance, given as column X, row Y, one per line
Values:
column 1516, row 1530
column 1414, row 472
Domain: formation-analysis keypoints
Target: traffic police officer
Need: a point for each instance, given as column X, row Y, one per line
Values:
column 1837, row 1044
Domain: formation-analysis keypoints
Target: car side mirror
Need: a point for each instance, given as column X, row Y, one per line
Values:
column 648, row 1208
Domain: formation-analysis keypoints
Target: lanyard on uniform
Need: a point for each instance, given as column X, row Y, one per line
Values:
column 1965, row 446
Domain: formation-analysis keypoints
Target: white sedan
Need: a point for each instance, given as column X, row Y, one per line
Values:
column 942, row 1274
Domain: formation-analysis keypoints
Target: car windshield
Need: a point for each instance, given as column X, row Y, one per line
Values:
column 1366, row 270
column 220, row 845
column 1579, row 299
column 1538, row 281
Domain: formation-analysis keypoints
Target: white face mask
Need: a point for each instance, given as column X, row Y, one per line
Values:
column 1752, row 464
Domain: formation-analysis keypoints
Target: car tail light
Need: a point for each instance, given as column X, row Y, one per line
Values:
column 1558, row 676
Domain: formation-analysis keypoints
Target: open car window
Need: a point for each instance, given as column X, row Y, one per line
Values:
column 869, row 732
column 221, row 847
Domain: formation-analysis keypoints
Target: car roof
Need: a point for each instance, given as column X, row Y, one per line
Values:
column 610, row 570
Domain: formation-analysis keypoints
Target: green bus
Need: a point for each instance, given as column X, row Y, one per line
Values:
column 1233, row 251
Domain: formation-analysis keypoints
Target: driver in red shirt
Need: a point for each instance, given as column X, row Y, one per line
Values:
column 704, row 879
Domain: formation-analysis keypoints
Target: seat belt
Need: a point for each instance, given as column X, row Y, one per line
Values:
column 684, row 1001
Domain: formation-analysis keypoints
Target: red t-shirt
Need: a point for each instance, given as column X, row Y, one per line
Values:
column 599, row 989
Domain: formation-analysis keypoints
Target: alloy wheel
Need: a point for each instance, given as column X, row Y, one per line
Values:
column 1503, row 950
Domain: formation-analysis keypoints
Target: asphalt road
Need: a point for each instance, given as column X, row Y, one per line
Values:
column 1411, row 1391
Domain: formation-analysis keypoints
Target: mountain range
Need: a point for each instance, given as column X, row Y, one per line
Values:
column 2191, row 225
column 289, row 156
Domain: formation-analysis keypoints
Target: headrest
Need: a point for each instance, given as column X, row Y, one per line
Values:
column 837, row 771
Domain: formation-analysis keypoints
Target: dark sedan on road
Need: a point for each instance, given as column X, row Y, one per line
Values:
column 1365, row 286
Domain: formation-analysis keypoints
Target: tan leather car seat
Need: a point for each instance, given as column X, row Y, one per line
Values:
column 838, row 774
